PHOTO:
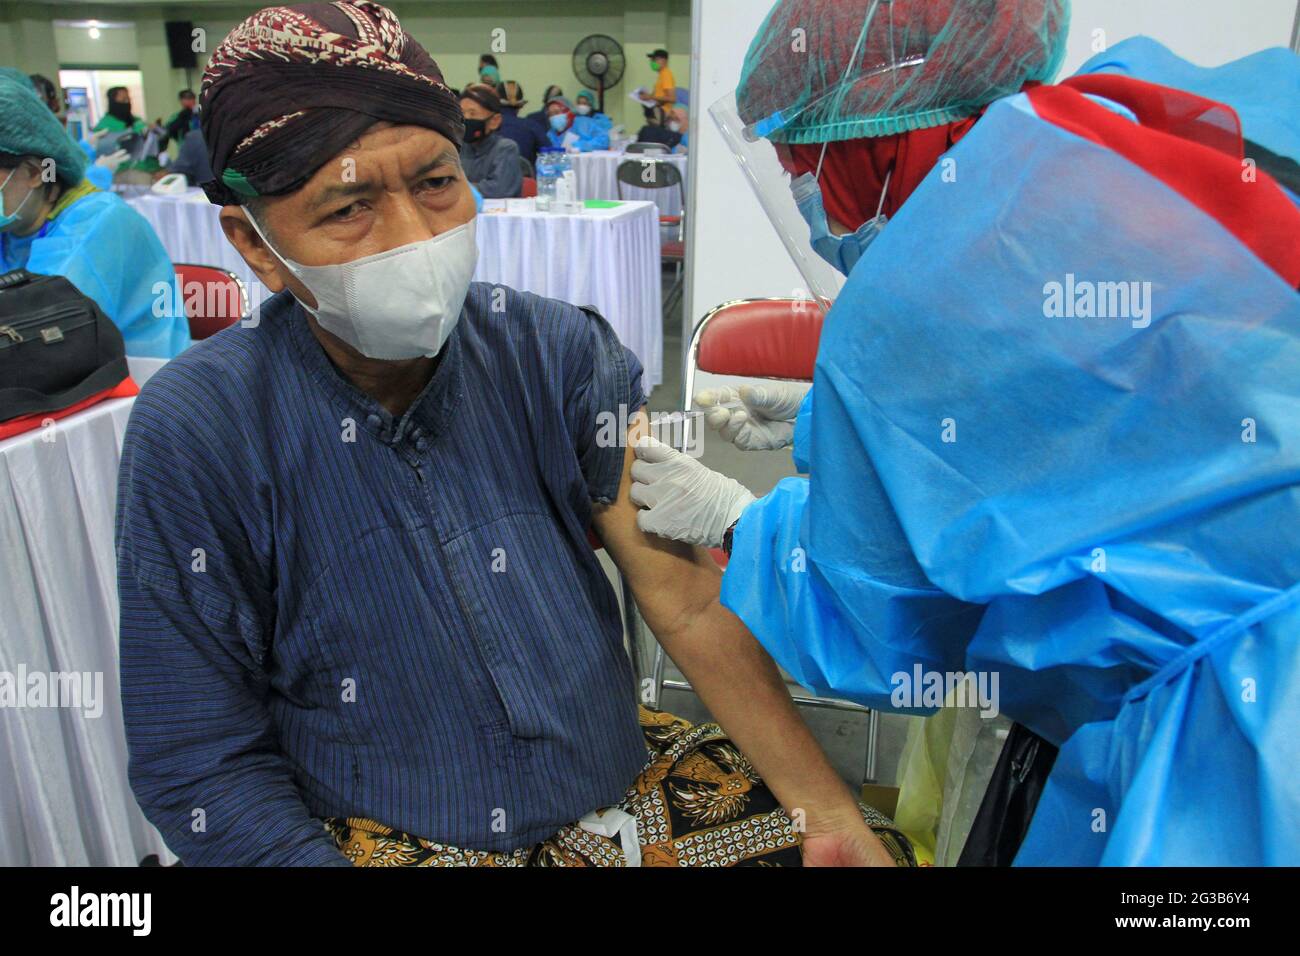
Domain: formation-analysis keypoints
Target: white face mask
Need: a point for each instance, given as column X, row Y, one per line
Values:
column 675, row 127
column 398, row 304
column 582, row 109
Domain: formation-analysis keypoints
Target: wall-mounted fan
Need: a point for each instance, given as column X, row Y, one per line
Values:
column 598, row 63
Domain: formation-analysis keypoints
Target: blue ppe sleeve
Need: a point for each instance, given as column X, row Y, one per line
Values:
column 1263, row 88
column 110, row 253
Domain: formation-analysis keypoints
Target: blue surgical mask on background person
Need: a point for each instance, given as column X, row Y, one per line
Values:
column 7, row 218
column 842, row 252
column 559, row 122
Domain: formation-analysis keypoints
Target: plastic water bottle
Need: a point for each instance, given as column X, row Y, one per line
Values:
column 566, row 181
column 548, row 175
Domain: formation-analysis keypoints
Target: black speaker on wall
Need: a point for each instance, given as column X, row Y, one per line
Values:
column 180, row 44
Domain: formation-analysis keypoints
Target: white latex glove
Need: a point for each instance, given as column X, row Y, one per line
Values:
column 765, row 422
column 112, row 161
column 683, row 500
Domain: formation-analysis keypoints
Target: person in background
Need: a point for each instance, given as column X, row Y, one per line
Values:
column 184, row 120
column 656, row 131
column 192, row 159
column 490, row 160
column 585, row 104
column 665, row 88
column 568, row 130
column 68, row 227
column 527, row 135
column 48, row 92
column 119, row 121
column 678, row 122
column 540, row 116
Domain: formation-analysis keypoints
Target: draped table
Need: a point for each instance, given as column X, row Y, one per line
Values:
column 189, row 229
column 596, row 173
column 64, row 795
column 606, row 257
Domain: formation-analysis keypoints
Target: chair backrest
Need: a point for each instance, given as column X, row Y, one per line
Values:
column 529, row 188
column 214, row 298
column 640, row 147
column 648, row 173
column 525, row 168
column 756, row 338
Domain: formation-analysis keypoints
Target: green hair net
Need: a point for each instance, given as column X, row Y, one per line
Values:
column 28, row 128
column 18, row 76
column 826, row 70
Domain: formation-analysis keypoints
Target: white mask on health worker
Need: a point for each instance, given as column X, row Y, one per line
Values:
column 402, row 303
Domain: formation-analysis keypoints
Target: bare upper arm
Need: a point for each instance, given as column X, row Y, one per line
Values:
column 672, row 581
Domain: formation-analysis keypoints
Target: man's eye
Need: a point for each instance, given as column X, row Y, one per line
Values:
column 438, row 182
column 347, row 212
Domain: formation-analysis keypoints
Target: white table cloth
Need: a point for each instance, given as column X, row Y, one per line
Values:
column 64, row 795
column 188, row 227
column 597, row 178
column 606, row 258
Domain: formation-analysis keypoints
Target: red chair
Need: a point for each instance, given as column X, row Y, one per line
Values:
column 776, row 340
column 756, row 338
column 214, row 298
column 529, row 188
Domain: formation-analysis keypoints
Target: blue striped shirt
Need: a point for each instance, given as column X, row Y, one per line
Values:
column 326, row 611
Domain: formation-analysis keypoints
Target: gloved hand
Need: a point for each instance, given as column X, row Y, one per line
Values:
column 684, row 500
column 765, row 422
column 112, row 161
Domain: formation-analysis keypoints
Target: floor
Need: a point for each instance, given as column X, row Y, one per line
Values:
column 843, row 734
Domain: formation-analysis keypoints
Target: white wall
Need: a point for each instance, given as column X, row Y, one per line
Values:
column 733, row 250
column 1207, row 32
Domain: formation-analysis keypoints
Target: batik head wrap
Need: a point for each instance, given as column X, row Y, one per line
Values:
column 292, row 86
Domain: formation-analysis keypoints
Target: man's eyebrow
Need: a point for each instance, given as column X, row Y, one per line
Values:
column 448, row 157
column 338, row 191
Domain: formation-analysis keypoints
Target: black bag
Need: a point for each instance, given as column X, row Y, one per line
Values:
column 57, row 347
column 1010, row 801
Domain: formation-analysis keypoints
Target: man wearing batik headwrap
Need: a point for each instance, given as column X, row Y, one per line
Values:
column 356, row 585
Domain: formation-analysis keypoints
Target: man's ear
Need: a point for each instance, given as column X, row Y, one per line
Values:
column 242, row 235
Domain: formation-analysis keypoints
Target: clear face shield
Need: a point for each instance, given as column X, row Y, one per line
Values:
column 766, row 160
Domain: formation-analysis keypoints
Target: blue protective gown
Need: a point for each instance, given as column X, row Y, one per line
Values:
column 110, row 253
column 592, row 132
column 1102, row 511
column 1263, row 88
